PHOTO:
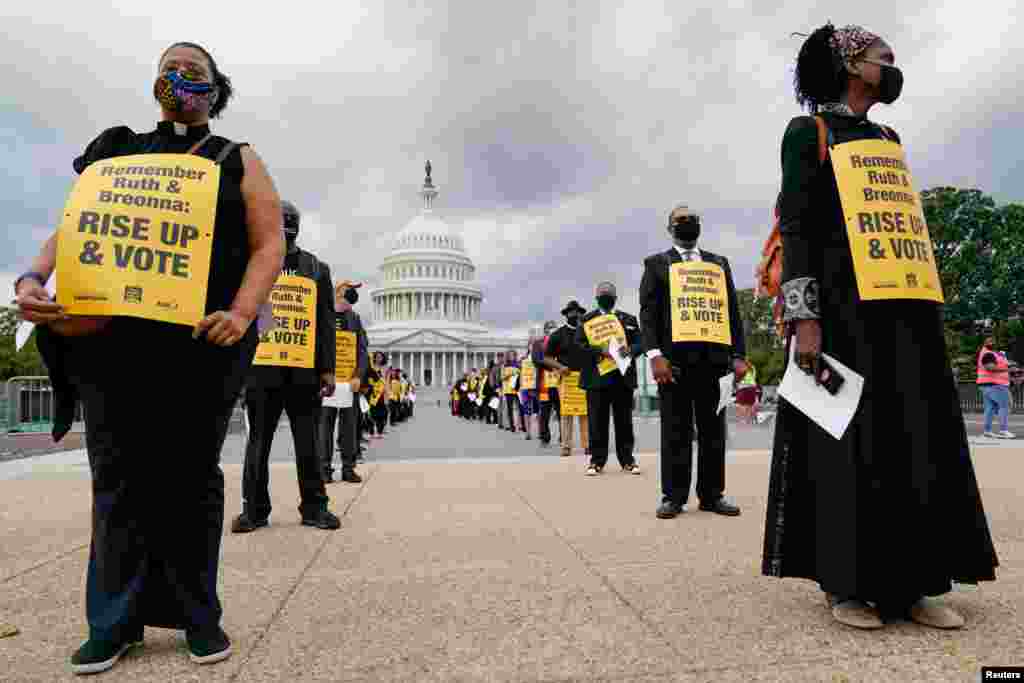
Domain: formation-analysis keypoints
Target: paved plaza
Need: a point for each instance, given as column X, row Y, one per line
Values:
column 469, row 554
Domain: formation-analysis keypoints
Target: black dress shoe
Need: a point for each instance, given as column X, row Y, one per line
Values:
column 722, row 506
column 351, row 477
column 668, row 510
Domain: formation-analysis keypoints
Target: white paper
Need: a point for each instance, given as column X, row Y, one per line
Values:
column 364, row 404
column 832, row 413
column 342, row 397
column 494, row 403
column 724, row 392
column 614, row 349
column 22, row 334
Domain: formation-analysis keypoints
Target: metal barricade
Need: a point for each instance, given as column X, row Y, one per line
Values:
column 29, row 405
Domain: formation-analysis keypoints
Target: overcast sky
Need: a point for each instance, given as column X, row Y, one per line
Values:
column 561, row 133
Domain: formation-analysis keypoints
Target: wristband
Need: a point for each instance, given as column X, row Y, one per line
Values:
column 33, row 275
column 801, row 297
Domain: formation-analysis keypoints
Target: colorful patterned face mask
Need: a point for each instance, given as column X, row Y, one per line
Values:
column 183, row 91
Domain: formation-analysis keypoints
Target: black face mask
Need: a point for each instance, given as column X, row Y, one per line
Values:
column 606, row 302
column 351, row 296
column 686, row 229
column 891, row 85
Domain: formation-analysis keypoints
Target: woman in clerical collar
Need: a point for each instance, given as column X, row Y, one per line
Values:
column 158, row 489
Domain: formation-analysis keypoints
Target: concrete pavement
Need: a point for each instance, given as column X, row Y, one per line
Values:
column 503, row 565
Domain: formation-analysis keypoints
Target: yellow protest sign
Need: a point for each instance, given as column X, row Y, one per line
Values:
column 292, row 343
column 699, row 303
column 889, row 240
column 136, row 237
column 508, row 380
column 528, row 376
column 378, row 391
column 600, row 331
column 344, row 356
column 573, row 399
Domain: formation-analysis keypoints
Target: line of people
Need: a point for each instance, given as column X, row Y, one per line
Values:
column 882, row 518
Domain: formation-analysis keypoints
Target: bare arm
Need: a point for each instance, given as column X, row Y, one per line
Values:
column 32, row 299
column 266, row 237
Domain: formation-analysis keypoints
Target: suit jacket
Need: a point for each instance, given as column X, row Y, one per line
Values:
column 563, row 348
column 271, row 377
column 656, row 315
column 589, row 376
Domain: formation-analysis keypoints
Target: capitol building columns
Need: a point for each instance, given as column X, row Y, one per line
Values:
column 427, row 304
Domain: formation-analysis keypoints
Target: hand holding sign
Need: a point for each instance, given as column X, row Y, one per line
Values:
column 222, row 328
column 35, row 304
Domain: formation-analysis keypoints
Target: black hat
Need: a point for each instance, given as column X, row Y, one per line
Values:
column 291, row 219
column 573, row 306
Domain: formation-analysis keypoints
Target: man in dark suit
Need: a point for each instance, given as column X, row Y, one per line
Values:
column 690, row 346
column 608, row 390
column 346, row 295
column 273, row 389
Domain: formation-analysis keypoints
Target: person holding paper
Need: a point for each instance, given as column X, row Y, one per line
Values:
column 350, row 366
column 563, row 356
column 276, row 387
column 154, row 557
column 609, row 391
column 510, row 389
column 547, row 384
column 529, row 402
column 693, row 336
column 888, row 515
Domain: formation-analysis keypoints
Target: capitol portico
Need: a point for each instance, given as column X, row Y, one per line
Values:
column 426, row 311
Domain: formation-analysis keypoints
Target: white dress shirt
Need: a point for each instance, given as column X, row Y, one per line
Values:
column 687, row 255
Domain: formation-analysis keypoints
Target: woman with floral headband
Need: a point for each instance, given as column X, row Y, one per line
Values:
column 158, row 489
column 890, row 513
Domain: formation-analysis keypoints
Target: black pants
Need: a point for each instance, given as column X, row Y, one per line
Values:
column 157, row 510
column 510, row 400
column 302, row 403
column 547, row 409
column 379, row 415
column 695, row 398
column 617, row 401
column 348, row 438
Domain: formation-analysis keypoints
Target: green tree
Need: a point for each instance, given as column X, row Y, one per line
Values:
column 979, row 253
column 758, row 324
column 20, row 363
column 764, row 347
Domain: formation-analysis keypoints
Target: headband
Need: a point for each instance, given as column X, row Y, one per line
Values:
column 850, row 41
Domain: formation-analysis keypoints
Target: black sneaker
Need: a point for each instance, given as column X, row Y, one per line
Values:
column 95, row 655
column 243, row 524
column 351, row 477
column 208, row 647
column 323, row 519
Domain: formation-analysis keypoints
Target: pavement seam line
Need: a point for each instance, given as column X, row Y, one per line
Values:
column 637, row 612
column 298, row 581
column 56, row 558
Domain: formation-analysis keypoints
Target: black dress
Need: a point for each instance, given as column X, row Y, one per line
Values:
column 157, row 405
column 891, row 512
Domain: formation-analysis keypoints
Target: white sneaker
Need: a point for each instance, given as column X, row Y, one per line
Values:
column 1007, row 435
column 592, row 471
column 990, row 435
